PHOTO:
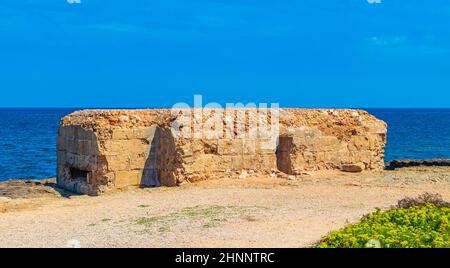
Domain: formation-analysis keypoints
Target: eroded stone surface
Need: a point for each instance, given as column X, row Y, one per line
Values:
column 101, row 150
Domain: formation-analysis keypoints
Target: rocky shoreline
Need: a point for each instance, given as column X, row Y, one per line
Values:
column 18, row 189
column 436, row 162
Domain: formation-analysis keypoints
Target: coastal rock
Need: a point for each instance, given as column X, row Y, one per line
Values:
column 355, row 168
column 391, row 165
column 15, row 189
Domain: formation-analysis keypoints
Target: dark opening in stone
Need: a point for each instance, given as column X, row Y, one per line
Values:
column 284, row 148
column 79, row 175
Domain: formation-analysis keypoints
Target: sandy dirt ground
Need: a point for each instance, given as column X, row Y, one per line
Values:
column 251, row 212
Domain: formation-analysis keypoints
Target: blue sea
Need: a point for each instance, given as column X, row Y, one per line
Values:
column 28, row 138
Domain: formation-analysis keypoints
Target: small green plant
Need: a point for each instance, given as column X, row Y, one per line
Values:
column 163, row 229
column 106, row 219
column 411, row 224
column 143, row 206
column 209, row 225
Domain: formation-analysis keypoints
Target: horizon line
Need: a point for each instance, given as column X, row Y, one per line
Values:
column 136, row 108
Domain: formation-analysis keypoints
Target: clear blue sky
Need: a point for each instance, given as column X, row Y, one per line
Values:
column 308, row 53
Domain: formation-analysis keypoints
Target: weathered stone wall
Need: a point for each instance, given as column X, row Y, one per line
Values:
column 78, row 152
column 100, row 150
column 128, row 156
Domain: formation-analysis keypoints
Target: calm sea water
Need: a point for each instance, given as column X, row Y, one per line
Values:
column 416, row 133
column 28, row 138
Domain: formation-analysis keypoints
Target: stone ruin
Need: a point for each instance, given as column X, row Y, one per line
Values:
column 103, row 150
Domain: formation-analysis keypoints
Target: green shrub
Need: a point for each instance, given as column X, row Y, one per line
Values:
column 421, row 226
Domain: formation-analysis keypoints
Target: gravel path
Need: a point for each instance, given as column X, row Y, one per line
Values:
column 253, row 212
